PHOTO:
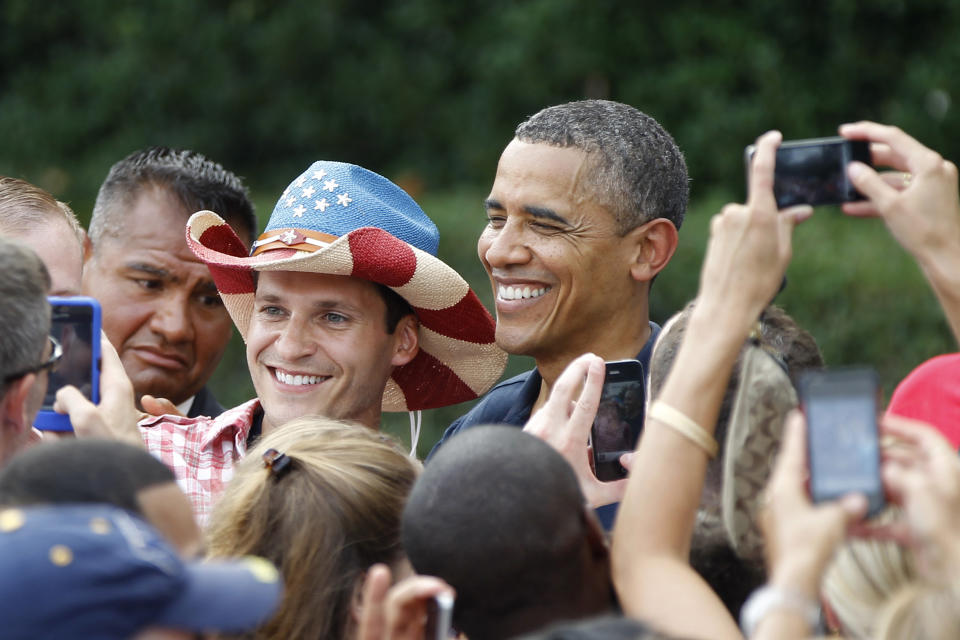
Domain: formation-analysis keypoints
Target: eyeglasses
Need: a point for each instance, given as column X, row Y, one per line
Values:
column 56, row 352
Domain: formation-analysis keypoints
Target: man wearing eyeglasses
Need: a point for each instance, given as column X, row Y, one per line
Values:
column 27, row 352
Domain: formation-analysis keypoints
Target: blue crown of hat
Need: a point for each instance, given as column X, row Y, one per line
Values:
column 112, row 574
column 336, row 198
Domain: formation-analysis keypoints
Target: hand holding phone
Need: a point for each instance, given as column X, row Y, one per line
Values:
column 565, row 420
column 75, row 325
column 619, row 418
column 843, row 445
column 814, row 171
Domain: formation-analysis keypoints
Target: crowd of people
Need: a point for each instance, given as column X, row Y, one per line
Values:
column 164, row 515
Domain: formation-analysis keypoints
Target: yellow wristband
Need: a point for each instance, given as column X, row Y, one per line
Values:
column 686, row 427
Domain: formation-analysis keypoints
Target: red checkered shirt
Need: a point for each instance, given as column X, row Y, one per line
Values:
column 201, row 451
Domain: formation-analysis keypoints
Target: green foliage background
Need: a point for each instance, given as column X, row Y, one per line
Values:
column 429, row 91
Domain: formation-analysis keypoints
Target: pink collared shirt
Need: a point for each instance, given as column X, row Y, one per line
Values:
column 201, row 451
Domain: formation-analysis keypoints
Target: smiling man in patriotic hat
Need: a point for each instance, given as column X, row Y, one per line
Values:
column 346, row 312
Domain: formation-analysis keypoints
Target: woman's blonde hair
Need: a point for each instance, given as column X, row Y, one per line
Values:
column 863, row 576
column 921, row 612
column 323, row 520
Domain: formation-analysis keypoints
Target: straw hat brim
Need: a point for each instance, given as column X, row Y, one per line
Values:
column 458, row 359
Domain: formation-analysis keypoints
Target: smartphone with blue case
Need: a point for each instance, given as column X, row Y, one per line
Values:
column 75, row 324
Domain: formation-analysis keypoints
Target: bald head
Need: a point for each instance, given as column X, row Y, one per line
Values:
column 499, row 515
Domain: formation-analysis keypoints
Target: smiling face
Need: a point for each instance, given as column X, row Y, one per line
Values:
column 560, row 271
column 318, row 345
column 161, row 309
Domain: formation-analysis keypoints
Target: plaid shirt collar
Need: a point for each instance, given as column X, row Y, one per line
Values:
column 239, row 420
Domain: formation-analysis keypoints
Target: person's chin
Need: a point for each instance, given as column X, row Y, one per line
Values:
column 516, row 340
column 159, row 384
column 285, row 410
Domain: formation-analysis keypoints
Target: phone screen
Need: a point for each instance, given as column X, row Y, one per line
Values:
column 843, row 444
column 619, row 418
column 72, row 326
column 814, row 171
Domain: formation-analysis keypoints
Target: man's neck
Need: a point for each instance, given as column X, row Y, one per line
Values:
column 371, row 420
column 185, row 406
column 551, row 366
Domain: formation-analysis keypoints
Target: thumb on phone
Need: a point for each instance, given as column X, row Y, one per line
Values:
column 870, row 184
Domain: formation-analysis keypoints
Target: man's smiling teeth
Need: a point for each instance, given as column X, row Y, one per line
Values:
column 297, row 380
column 520, row 293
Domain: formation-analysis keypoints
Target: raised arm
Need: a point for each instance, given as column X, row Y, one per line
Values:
column 919, row 203
column 746, row 257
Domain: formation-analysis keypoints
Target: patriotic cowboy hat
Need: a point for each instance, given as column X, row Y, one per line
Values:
column 342, row 219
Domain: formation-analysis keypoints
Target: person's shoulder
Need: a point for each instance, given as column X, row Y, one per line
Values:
column 494, row 408
column 498, row 400
column 508, row 384
column 200, row 427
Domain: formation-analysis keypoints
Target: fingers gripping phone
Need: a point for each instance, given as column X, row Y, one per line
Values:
column 75, row 325
column 814, row 171
column 619, row 418
column 843, row 446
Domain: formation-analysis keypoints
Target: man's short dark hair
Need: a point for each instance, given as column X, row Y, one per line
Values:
column 397, row 306
column 195, row 181
column 637, row 170
column 499, row 515
column 85, row 470
column 24, row 311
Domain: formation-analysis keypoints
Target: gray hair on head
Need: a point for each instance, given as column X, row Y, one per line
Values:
column 636, row 171
column 25, row 312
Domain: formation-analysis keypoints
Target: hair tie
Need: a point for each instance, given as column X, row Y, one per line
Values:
column 276, row 463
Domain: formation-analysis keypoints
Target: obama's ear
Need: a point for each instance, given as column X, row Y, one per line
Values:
column 655, row 242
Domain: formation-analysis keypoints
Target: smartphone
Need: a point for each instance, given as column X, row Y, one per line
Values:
column 814, row 171
column 843, row 444
column 439, row 624
column 619, row 419
column 75, row 324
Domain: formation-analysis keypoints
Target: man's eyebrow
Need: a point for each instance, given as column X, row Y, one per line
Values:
column 148, row 268
column 533, row 210
column 318, row 305
column 266, row 297
column 207, row 286
column 544, row 212
column 490, row 203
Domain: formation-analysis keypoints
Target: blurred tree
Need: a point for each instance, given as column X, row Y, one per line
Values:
column 429, row 91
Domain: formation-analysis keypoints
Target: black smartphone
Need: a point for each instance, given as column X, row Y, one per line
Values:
column 619, row 418
column 439, row 624
column 843, row 444
column 814, row 171
column 75, row 325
